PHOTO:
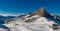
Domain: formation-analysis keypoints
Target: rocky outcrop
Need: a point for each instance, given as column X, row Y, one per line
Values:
column 43, row 13
column 40, row 12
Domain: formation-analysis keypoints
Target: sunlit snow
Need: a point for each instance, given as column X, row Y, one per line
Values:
column 39, row 24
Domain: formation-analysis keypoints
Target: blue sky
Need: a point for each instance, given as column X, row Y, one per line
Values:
column 17, row 7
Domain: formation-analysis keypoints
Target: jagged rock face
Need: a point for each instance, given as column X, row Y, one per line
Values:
column 40, row 12
column 43, row 13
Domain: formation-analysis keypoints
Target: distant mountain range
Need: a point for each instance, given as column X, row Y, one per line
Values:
column 5, row 18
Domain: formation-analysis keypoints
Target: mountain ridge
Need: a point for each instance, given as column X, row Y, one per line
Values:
column 42, row 12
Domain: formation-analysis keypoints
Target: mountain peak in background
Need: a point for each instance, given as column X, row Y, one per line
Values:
column 42, row 12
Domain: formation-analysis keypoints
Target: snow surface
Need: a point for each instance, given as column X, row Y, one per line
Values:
column 39, row 24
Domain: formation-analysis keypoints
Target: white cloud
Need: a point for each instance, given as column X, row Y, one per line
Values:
column 9, row 14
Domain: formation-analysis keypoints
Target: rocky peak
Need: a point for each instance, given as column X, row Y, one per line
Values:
column 41, row 12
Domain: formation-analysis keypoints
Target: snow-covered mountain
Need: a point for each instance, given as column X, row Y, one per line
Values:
column 34, row 23
column 39, row 21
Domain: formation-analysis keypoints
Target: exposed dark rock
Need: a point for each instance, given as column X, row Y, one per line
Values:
column 54, row 26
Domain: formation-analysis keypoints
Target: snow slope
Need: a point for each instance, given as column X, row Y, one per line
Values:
column 39, row 24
